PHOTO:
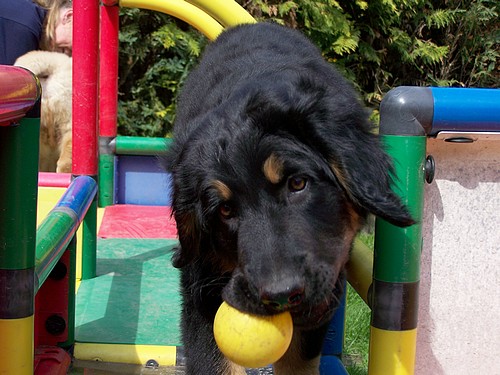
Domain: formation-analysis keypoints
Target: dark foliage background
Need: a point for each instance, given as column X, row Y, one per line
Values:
column 378, row 45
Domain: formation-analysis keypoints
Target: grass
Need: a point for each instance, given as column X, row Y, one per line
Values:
column 357, row 327
column 357, row 333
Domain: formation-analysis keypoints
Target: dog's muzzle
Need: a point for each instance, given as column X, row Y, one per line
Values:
column 283, row 301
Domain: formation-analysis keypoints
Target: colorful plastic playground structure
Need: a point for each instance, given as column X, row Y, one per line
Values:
column 105, row 231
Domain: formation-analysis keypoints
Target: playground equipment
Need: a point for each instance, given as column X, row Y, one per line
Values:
column 459, row 269
column 114, row 304
column 410, row 117
column 28, row 259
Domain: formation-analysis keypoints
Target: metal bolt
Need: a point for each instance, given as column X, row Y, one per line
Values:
column 430, row 169
column 152, row 364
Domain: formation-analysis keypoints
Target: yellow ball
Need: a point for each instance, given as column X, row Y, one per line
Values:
column 251, row 340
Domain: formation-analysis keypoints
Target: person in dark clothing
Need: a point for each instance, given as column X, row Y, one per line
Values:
column 21, row 28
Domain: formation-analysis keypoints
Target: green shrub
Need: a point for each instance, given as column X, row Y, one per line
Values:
column 156, row 53
column 381, row 44
column 378, row 45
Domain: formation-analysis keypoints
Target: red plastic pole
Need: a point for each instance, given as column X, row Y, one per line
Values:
column 108, row 73
column 85, row 126
column 108, row 101
column 85, row 76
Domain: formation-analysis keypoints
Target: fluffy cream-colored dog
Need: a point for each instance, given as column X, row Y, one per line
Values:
column 54, row 71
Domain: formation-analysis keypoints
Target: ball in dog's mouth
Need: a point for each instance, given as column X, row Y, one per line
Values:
column 249, row 340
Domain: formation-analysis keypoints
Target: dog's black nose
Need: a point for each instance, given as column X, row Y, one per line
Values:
column 281, row 301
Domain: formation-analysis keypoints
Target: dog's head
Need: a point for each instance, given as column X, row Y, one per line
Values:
column 272, row 186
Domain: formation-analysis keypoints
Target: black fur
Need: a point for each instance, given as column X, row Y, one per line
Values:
column 269, row 246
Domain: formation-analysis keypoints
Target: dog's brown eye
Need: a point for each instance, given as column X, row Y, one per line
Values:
column 296, row 184
column 226, row 210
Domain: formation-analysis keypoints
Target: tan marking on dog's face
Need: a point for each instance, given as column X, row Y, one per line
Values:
column 273, row 169
column 339, row 172
column 224, row 191
column 355, row 220
column 224, row 263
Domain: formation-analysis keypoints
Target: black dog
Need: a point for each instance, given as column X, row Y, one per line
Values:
column 275, row 168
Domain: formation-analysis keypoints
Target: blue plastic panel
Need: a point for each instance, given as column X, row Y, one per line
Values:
column 141, row 180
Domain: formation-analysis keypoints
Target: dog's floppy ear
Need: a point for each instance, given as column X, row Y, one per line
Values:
column 365, row 176
column 363, row 168
column 184, row 208
column 185, row 211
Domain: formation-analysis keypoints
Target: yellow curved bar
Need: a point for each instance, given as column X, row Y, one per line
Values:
column 181, row 10
column 360, row 268
column 121, row 353
column 227, row 12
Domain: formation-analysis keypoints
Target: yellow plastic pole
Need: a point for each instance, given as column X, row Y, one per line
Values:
column 227, row 12
column 392, row 352
column 16, row 357
column 181, row 10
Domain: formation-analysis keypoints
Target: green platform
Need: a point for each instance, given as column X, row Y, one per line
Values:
column 135, row 297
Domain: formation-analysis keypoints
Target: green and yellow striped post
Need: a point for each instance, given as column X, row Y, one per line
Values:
column 19, row 91
column 396, row 271
column 18, row 201
column 396, row 268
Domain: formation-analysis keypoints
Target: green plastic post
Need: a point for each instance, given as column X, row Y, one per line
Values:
column 397, row 250
column 18, row 193
column 89, row 242
column 106, row 179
